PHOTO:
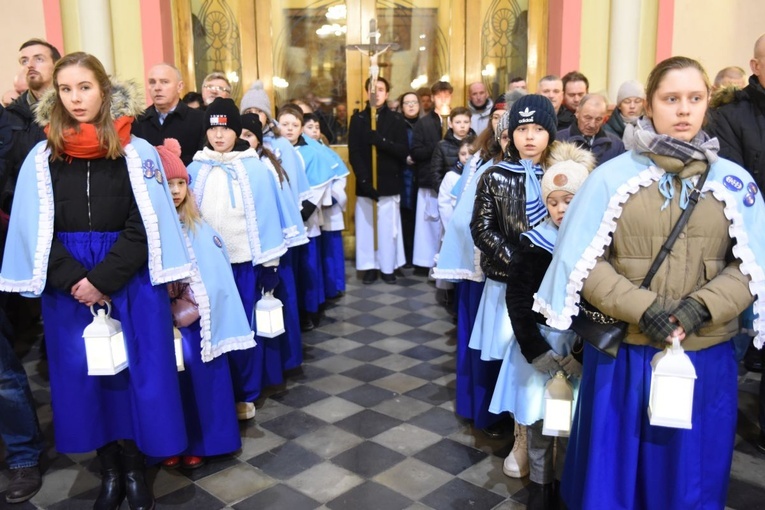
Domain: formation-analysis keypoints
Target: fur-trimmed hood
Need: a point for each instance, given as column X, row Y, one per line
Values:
column 126, row 100
column 723, row 96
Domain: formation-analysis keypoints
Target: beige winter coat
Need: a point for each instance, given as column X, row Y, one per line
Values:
column 700, row 266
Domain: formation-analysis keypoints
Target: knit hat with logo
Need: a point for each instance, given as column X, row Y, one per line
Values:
column 223, row 112
column 533, row 109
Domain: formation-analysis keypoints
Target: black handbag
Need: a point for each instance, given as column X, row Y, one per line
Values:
column 603, row 331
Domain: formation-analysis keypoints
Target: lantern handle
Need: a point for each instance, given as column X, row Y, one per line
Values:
column 108, row 309
column 676, row 344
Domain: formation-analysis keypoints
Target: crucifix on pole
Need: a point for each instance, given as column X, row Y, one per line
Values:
column 374, row 49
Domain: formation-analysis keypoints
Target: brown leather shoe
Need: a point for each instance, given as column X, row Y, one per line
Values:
column 25, row 482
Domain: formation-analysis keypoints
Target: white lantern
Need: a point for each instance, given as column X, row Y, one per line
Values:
column 178, row 344
column 672, row 380
column 104, row 344
column 559, row 403
column 269, row 316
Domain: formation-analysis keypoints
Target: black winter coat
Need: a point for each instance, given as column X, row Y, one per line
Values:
column 565, row 117
column 499, row 218
column 392, row 144
column 26, row 134
column 740, row 127
column 604, row 146
column 187, row 125
column 95, row 196
column 527, row 269
column 445, row 156
column 427, row 134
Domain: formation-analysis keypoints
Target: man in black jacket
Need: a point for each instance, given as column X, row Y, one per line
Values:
column 169, row 117
column 390, row 139
column 427, row 133
column 739, row 125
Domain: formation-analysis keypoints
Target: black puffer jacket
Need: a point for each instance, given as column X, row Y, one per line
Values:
column 739, row 124
column 445, row 156
column 499, row 218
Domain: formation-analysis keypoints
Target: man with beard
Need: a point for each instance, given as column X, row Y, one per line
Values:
column 480, row 106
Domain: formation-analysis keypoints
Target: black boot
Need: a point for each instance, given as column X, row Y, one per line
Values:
column 139, row 493
column 542, row 497
column 112, row 484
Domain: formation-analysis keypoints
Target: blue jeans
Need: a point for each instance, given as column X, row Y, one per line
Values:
column 18, row 420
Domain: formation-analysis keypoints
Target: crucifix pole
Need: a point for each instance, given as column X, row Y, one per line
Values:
column 373, row 50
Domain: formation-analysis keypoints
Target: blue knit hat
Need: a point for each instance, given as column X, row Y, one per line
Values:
column 533, row 109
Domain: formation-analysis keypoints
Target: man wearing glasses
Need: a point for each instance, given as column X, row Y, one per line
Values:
column 215, row 85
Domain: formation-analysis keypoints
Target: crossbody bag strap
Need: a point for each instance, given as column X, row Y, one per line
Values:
column 693, row 199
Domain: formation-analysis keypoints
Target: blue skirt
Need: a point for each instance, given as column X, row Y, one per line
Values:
column 617, row 460
column 310, row 283
column 143, row 402
column 475, row 378
column 492, row 331
column 333, row 258
column 253, row 369
column 291, row 342
column 520, row 388
column 208, row 400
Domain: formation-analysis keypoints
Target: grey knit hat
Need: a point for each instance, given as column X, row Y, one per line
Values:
column 630, row 88
column 256, row 97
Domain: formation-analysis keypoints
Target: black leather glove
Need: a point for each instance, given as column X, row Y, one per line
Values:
column 548, row 363
column 307, row 209
column 268, row 278
column 571, row 366
column 375, row 138
column 656, row 325
column 366, row 190
column 691, row 314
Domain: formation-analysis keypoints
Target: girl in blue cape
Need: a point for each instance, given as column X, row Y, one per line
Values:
column 613, row 230
column 241, row 201
column 94, row 222
column 459, row 261
column 333, row 224
column 320, row 173
column 508, row 202
column 539, row 351
column 222, row 326
column 286, row 292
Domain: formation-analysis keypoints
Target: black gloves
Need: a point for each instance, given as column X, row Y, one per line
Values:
column 375, row 138
column 366, row 190
column 268, row 278
column 307, row 210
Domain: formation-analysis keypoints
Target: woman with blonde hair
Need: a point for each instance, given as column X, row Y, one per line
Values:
column 95, row 224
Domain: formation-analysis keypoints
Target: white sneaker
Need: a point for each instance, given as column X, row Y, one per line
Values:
column 516, row 464
column 245, row 411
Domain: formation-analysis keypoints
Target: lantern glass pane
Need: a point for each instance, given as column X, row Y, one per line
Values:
column 557, row 414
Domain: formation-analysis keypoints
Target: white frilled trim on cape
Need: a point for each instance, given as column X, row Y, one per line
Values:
column 291, row 234
column 476, row 275
column 602, row 239
column 157, row 273
column 595, row 249
column 36, row 284
column 208, row 351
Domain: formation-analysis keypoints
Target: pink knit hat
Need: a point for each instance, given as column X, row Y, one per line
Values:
column 170, row 155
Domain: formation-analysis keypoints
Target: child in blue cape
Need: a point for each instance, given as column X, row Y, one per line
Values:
column 240, row 200
column 221, row 326
column 539, row 351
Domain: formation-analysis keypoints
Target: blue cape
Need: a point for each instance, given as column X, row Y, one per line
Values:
column 268, row 225
column 591, row 218
column 30, row 233
column 224, row 323
column 292, row 164
column 458, row 258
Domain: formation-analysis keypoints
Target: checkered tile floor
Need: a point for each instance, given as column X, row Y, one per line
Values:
column 368, row 423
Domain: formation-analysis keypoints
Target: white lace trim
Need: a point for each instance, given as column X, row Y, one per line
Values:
column 202, row 300
column 476, row 275
column 157, row 273
column 744, row 253
column 36, row 284
column 594, row 250
column 235, row 343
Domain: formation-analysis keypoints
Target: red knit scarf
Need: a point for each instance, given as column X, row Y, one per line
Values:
column 84, row 143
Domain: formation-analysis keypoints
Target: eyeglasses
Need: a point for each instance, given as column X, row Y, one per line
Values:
column 410, row 103
column 216, row 88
